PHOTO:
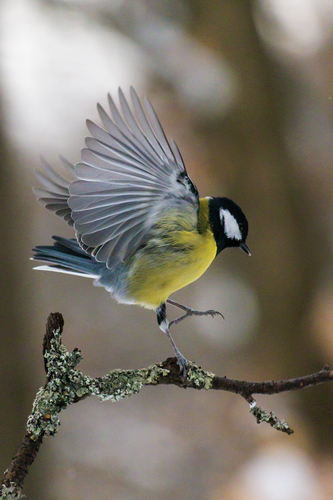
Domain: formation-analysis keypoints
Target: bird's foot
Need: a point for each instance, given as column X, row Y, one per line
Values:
column 192, row 312
column 182, row 363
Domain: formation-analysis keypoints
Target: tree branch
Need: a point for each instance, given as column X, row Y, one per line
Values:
column 66, row 385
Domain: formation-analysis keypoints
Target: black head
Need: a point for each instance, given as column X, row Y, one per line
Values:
column 229, row 224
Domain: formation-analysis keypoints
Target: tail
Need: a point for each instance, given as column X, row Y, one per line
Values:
column 66, row 256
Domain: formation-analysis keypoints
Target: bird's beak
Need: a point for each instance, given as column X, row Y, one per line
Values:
column 245, row 248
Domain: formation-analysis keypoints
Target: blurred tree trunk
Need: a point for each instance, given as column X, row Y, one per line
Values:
column 15, row 320
column 287, row 250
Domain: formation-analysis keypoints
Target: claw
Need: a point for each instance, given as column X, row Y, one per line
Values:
column 212, row 313
column 182, row 363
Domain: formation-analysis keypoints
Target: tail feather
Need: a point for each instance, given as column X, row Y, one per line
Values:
column 68, row 257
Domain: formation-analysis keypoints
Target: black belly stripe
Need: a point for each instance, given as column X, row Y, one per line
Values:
column 161, row 313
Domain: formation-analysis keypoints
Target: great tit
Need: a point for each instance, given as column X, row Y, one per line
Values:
column 141, row 230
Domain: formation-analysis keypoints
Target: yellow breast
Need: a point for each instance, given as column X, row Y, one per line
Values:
column 173, row 260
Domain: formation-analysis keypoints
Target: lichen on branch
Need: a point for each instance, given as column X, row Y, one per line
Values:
column 66, row 385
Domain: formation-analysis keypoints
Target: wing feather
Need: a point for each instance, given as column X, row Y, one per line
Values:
column 55, row 195
column 158, row 130
column 128, row 177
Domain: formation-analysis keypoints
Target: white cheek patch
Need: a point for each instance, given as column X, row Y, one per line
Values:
column 231, row 227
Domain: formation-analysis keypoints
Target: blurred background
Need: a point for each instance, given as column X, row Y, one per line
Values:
column 246, row 90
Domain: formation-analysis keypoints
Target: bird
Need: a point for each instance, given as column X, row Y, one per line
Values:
column 141, row 230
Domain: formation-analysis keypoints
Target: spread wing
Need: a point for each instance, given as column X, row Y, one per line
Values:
column 129, row 175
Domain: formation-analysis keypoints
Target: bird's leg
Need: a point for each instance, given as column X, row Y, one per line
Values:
column 164, row 325
column 191, row 312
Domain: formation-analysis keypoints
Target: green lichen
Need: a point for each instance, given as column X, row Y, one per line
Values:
column 43, row 418
column 11, row 492
column 197, row 376
column 270, row 418
column 120, row 384
column 66, row 385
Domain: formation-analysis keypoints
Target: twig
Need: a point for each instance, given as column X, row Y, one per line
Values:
column 66, row 385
